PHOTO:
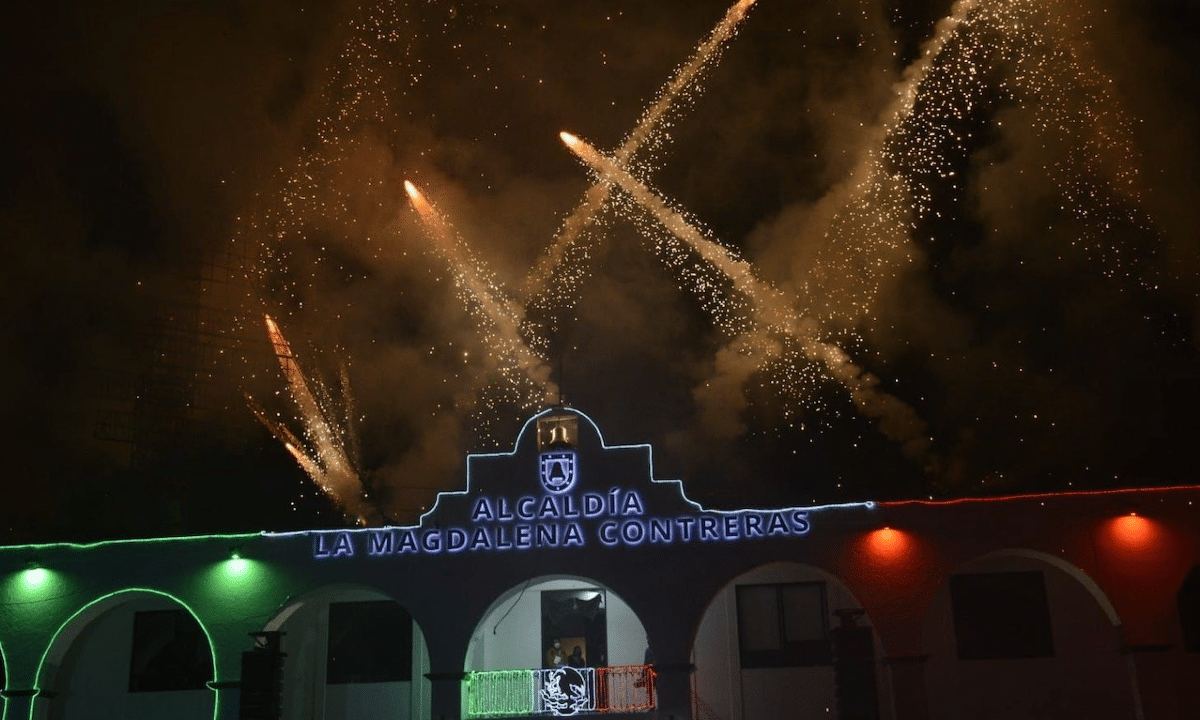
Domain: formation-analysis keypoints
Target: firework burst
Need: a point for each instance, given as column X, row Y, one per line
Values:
column 987, row 67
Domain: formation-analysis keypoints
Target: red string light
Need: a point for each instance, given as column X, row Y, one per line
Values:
column 1038, row 496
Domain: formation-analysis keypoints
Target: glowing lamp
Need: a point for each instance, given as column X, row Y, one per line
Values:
column 34, row 575
column 1133, row 532
column 887, row 544
column 236, row 565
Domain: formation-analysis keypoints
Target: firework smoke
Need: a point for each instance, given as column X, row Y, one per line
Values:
column 331, row 468
column 646, row 132
column 499, row 319
column 770, row 311
column 870, row 234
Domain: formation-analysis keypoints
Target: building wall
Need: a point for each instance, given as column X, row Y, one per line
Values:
column 305, row 624
column 94, row 674
column 1103, row 667
column 1085, row 677
column 729, row 691
column 1113, row 564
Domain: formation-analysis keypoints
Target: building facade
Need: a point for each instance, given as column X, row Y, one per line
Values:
column 565, row 579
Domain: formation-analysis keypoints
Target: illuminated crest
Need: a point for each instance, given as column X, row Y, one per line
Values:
column 557, row 470
column 566, row 691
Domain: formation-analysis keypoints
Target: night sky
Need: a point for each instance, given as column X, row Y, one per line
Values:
column 1009, row 265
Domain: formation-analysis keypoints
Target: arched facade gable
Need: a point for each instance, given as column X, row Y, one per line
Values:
column 71, row 630
column 733, row 680
column 996, row 622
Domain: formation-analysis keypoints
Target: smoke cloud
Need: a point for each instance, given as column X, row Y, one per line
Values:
column 1011, row 276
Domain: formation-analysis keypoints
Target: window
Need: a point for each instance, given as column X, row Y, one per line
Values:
column 369, row 642
column 1001, row 615
column 783, row 625
column 169, row 652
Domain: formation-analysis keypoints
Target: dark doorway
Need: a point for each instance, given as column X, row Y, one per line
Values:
column 575, row 618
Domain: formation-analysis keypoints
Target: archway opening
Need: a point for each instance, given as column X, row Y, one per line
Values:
column 351, row 652
column 557, row 645
column 1019, row 633
column 784, row 641
column 137, row 653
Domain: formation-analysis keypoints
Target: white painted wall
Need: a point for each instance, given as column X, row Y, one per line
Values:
column 626, row 635
column 306, row 695
column 368, row 701
column 767, row 693
column 1087, row 677
column 93, row 679
column 510, row 635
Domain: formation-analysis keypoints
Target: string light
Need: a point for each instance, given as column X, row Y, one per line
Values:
column 1043, row 496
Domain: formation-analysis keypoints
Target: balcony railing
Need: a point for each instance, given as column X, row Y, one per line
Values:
column 559, row 691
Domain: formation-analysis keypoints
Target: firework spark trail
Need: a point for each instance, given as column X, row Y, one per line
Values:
column 1082, row 134
column 907, row 152
column 906, row 91
column 331, row 470
column 507, row 350
column 292, row 444
column 869, row 233
column 328, row 447
column 643, row 133
column 353, row 444
column 771, row 311
column 920, row 141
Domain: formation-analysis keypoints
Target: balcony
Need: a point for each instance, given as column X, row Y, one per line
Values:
column 558, row 691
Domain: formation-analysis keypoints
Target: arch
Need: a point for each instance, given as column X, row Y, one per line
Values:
column 1018, row 632
column 1074, row 571
column 736, row 683
column 1187, row 606
column 64, row 691
column 519, row 608
column 512, row 659
column 3, row 680
column 326, row 672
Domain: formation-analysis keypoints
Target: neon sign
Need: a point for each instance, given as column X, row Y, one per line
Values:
column 567, row 690
column 562, row 691
column 566, row 513
column 616, row 518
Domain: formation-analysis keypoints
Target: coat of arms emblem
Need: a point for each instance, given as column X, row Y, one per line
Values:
column 557, row 470
column 567, row 691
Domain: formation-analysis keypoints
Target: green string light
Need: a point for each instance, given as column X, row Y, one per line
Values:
column 500, row 692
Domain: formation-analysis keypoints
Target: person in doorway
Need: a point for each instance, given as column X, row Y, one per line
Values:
column 554, row 656
column 576, row 659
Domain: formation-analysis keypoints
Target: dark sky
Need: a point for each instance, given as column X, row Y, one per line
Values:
column 1009, row 266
